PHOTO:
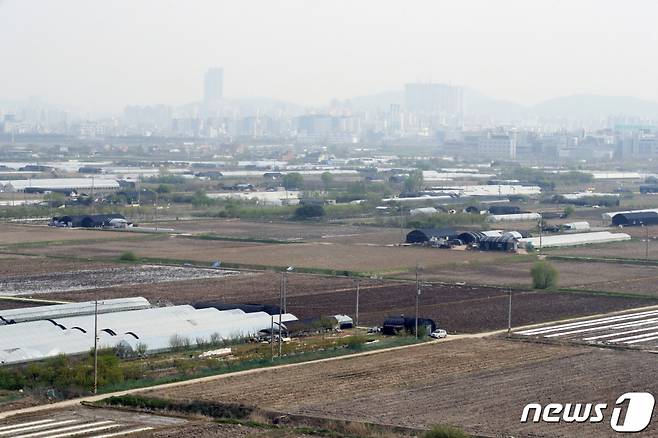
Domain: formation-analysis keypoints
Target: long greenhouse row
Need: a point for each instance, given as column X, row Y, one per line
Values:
column 149, row 330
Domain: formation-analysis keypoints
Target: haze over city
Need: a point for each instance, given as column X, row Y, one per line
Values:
column 345, row 218
column 102, row 56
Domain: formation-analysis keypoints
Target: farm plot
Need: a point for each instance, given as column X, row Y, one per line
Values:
column 89, row 279
column 480, row 385
column 629, row 330
column 81, row 421
column 25, row 234
column 314, row 255
column 630, row 249
column 609, row 277
column 284, row 230
column 456, row 308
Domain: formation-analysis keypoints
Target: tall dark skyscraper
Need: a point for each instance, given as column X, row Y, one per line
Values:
column 213, row 85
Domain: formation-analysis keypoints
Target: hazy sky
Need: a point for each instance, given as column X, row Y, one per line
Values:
column 115, row 52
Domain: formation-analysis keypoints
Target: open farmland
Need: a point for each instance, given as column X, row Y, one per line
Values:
column 314, row 255
column 89, row 279
column 599, row 276
column 481, row 385
column 456, row 308
column 26, row 234
column 630, row 249
column 292, row 231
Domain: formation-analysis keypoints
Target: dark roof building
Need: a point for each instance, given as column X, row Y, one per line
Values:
column 498, row 243
column 635, row 218
column 88, row 221
column 426, row 234
column 397, row 324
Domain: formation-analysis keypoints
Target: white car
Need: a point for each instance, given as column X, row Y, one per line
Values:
column 439, row 334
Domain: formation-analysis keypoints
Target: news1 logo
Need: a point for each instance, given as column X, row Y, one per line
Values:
column 638, row 412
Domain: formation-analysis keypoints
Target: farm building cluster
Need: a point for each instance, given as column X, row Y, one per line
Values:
column 568, row 234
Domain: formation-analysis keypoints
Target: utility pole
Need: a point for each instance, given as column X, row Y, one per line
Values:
column 540, row 229
column 646, row 248
column 280, row 310
column 356, row 312
column 509, row 314
column 417, row 298
column 272, row 337
column 95, row 346
column 93, row 196
column 285, row 293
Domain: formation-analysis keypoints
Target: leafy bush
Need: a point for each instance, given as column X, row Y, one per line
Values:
column 309, row 211
column 128, row 256
column 293, row 180
column 442, row 431
column 216, row 410
column 544, row 275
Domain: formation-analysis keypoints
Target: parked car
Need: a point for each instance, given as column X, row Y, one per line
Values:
column 439, row 334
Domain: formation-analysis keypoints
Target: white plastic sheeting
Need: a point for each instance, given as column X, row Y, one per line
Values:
column 61, row 184
column 154, row 329
column 574, row 239
column 11, row 316
column 514, row 217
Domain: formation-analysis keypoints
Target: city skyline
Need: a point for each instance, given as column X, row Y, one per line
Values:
column 310, row 54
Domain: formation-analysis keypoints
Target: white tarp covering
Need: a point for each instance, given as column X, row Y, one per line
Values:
column 60, row 184
column 514, row 217
column 574, row 239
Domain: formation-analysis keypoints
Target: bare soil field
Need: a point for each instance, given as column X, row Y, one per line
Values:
column 631, row 249
column 21, row 234
column 480, row 385
column 579, row 275
column 319, row 255
column 15, row 265
column 217, row 430
column 460, row 309
column 89, row 279
column 284, row 230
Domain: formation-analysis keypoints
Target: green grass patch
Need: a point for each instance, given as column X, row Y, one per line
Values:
column 212, row 236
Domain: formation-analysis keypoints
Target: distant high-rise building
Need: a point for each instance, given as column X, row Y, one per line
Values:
column 431, row 98
column 213, row 85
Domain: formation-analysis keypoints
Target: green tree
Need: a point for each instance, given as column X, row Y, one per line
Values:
column 163, row 188
column 327, row 180
column 293, row 180
column 568, row 211
column 544, row 275
column 309, row 211
column 55, row 199
column 200, row 199
column 414, row 181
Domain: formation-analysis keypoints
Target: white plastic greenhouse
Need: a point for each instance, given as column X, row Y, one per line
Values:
column 151, row 330
column 574, row 239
